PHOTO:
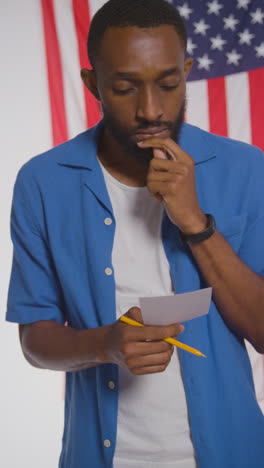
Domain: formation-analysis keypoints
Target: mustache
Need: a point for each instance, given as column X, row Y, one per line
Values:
column 147, row 125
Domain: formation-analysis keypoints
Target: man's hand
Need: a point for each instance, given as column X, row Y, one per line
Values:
column 173, row 181
column 139, row 349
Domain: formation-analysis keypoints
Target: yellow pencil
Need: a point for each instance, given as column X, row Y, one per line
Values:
column 125, row 319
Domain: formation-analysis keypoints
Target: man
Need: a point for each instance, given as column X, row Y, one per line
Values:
column 125, row 210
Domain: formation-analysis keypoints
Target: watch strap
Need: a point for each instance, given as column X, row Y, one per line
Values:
column 200, row 236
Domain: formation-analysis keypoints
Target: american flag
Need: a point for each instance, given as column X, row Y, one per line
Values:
column 225, row 90
column 225, row 38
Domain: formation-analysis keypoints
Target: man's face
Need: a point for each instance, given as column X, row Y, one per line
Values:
column 141, row 83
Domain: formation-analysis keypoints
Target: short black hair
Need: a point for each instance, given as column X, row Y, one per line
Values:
column 140, row 13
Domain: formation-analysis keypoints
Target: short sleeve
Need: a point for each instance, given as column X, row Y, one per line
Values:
column 252, row 246
column 34, row 291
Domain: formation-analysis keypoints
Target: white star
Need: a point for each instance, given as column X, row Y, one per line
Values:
column 230, row 22
column 185, row 11
column 217, row 42
column 257, row 17
column 204, row 62
column 260, row 50
column 243, row 4
column 246, row 37
column 201, row 27
column 233, row 57
column 190, row 46
column 214, row 7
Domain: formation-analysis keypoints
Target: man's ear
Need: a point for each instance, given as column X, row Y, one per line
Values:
column 89, row 79
column 187, row 66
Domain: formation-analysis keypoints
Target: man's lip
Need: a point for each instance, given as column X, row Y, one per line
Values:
column 151, row 133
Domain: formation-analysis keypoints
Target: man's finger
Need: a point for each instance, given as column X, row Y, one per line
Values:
column 166, row 167
column 145, row 348
column 148, row 370
column 149, row 360
column 160, row 154
column 150, row 332
column 135, row 314
column 167, row 145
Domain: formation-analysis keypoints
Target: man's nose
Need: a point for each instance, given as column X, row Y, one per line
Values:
column 149, row 105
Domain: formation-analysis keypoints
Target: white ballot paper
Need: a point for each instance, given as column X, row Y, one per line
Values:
column 165, row 310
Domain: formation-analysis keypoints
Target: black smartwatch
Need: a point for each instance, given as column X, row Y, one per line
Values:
column 200, row 236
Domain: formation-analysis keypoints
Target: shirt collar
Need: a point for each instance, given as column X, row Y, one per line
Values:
column 196, row 143
column 192, row 140
column 86, row 155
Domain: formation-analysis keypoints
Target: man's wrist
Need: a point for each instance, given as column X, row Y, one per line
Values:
column 101, row 334
column 195, row 226
column 202, row 235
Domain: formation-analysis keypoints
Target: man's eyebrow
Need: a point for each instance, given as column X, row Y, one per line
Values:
column 171, row 71
column 125, row 76
column 134, row 76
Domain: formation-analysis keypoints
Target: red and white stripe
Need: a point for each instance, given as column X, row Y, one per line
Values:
column 230, row 106
column 66, row 25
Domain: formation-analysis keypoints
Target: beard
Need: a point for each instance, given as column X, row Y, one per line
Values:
column 123, row 136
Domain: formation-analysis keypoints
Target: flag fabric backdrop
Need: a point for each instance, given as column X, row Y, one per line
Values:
column 225, row 91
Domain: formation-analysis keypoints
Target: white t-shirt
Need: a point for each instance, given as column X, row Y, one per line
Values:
column 152, row 428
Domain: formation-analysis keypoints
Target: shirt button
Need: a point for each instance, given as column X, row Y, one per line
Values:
column 108, row 221
column 108, row 271
column 111, row 385
column 107, row 443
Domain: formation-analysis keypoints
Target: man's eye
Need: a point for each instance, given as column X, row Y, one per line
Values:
column 122, row 91
column 169, row 88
